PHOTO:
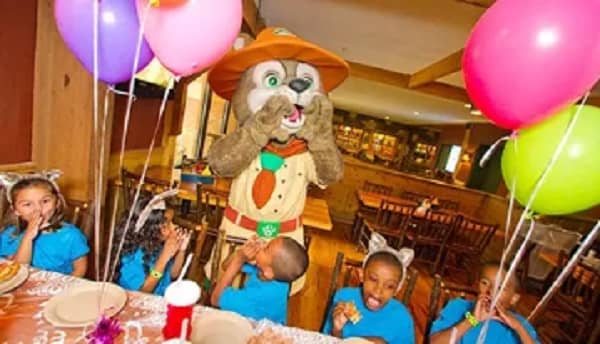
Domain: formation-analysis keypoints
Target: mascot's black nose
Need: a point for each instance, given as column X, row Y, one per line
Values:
column 299, row 85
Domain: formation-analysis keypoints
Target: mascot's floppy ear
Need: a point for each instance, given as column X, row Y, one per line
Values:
column 242, row 40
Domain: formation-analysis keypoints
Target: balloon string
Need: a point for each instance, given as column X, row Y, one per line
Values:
column 492, row 149
column 138, row 50
column 120, row 93
column 566, row 271
column 526, row 212
column 143, row 176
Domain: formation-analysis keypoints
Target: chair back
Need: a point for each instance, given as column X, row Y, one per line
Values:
column 449, row 204
column 4, row 206
column 210, row 205
column 470, row 235
column 434, row 228
column 441, row 293
column 81, row 215
column 130, row 182
column 224, row 247
column 393, row 216
column 413, row 196
column 377, row 188
column 348, row 269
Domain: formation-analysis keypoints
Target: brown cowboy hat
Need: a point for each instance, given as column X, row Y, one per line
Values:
column 275, row 44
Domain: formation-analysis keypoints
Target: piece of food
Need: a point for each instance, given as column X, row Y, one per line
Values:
column 8, row 270
column 353, row 314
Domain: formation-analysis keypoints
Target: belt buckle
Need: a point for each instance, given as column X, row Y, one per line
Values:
column 268, row 229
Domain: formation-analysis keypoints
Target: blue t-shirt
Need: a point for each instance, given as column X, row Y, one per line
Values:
column 52, row 251
column 498, row 333
column 133, row 274
column 392, row 322
column 257, row 299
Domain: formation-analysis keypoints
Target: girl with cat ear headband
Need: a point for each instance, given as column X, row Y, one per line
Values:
column 378, row 244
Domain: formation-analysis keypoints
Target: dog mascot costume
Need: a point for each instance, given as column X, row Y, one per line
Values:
column 278, row 86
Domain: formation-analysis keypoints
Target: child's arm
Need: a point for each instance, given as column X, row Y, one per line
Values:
column 246, row 253
column 25, row 250
column 512, row 322
column 79, row 267
column 180, row 257
column 169, row 250
column 481, row 312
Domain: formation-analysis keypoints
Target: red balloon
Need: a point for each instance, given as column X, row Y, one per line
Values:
column 527, row 59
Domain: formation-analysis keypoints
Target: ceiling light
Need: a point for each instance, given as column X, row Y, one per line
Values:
column 468, row 106
column 387, row 118
column 416, row 113
column 476, row 112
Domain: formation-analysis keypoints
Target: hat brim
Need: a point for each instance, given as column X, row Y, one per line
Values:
column 225, row 75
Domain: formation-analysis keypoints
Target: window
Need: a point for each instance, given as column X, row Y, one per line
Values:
column 453, row 158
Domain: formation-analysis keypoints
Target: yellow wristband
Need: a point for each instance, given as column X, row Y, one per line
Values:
column 471, row 319
column 156, row 274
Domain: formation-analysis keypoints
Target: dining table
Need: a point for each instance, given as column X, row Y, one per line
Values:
column 142, row 318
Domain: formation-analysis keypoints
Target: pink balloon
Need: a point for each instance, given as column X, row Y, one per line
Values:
column 527, row 59
column 192, row 36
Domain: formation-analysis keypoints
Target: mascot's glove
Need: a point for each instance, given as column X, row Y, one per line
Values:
column 318, row 123
column 266, row 121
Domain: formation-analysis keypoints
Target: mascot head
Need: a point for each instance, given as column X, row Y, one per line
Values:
column 277, row 63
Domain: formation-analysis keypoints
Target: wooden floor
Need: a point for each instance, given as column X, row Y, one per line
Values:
column 306, row 308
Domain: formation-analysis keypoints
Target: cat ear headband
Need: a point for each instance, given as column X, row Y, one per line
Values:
column 9, row 179
column 405, row 256
column 156, row 203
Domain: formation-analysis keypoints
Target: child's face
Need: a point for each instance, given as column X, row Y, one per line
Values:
column 32, row 202
column 264, row 258
column 168, row 228
column 380, row 284
column 509, row 296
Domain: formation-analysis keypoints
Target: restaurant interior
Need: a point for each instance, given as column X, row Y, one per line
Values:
column 424, row 168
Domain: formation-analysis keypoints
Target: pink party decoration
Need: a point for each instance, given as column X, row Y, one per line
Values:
column 527, row 59
column 192, row 36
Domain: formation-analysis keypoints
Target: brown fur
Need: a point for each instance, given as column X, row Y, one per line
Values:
column 232, row 154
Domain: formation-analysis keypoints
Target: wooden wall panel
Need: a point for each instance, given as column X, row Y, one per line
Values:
column 141, row 123
column 17, row 58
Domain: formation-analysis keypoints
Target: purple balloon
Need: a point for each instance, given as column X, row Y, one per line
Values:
column 118, row 28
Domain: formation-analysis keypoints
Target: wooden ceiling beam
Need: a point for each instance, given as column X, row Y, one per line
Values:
column 252, row 18
column 448, row 65
column 401, row 80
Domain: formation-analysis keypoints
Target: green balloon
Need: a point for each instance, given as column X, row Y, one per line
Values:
column 573, row 184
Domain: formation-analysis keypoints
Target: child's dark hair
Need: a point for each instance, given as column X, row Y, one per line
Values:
column 496, row 265
column 385, row 258
column 148, row 238
column 290, row 260
column 56, row 220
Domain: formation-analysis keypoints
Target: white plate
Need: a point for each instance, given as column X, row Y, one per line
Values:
column 221, row 327
column 78, row 306
column 15, row 281
column 355, row 340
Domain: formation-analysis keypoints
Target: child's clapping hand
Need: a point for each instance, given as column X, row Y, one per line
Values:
column 172, row 245
column 250, row 249
column 184, row 237
column 33, row 227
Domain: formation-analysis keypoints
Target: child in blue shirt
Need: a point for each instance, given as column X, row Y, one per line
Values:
column 466, row 318
column 40, row 237
column 377, row 316
column 265, row 293
column 153, row 255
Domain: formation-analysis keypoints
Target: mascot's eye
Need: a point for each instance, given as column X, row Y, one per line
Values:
column 309, row 80
column 272, row 80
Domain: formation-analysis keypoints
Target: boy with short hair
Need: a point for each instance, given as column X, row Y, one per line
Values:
column 466, row 318
column 265, row 294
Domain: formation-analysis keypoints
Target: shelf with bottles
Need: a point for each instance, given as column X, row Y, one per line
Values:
column 349, row 138
column 424, row 154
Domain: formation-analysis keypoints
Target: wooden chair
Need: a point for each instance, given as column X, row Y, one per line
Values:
column 390, row 221
column 449, row 204
column 573, row 311
column 81, row 215
column 466, row 245
column 413, row 196
column 365, row 212
column 377, row 188
column 130, row 182
column 428, row 237
column 210, row 205
column 441, row 293
column 349, row 269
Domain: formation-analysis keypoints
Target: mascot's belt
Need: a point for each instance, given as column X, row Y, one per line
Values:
column 264, row 229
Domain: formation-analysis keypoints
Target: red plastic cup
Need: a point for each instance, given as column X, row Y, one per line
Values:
column 181, row 296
